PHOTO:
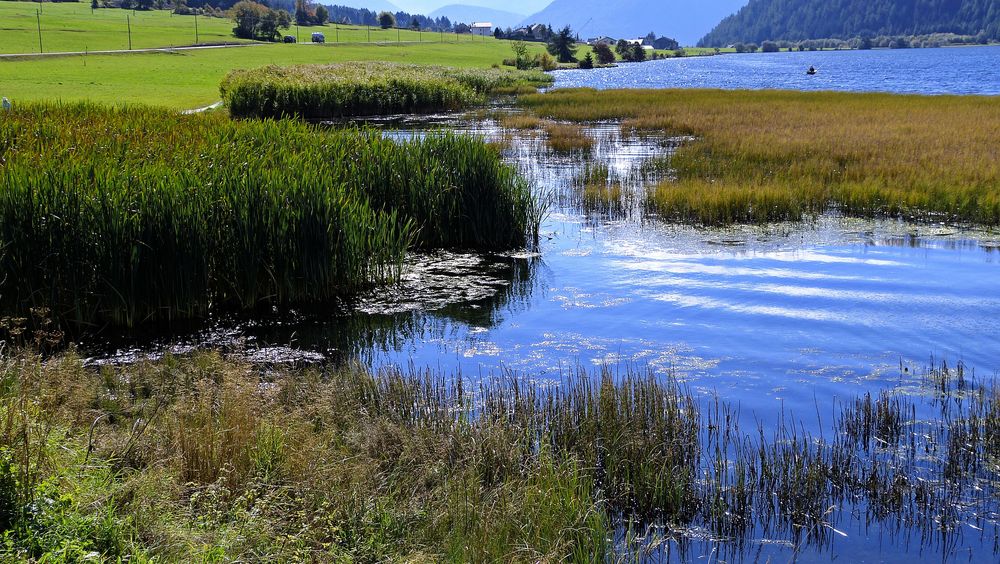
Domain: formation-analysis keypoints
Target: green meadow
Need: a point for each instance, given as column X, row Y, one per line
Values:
column 75, row 27
column 190, row 79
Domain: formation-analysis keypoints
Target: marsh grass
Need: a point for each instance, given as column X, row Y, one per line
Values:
column 519, row 121
column 567, row 138
column 768, row 155
column 185, row 458
column 363, row 89
column 130, row 216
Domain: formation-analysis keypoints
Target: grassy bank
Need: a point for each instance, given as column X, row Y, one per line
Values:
column 760, row 156
column 132, row 215
column 194, row 459
column 359, row 89
column 190, row 79
column 73, row 26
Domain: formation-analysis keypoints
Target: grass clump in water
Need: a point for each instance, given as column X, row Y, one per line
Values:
column 362, row 89
column 567, row 138
column 131, row 215
column 758, row 156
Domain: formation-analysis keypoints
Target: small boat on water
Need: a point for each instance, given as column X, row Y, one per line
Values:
column 811, row 71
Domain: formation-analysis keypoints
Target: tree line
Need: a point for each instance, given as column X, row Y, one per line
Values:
column 305, row 13
column 799, row 20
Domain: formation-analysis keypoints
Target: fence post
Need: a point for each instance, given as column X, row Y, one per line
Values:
column 196, row 38
column 128, row 22
column 38, row 18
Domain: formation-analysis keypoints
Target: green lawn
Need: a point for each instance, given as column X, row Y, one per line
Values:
column 75, row 27
column 190, row 79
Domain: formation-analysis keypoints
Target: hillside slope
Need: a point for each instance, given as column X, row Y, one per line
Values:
column 796, row 20
column 683, row 20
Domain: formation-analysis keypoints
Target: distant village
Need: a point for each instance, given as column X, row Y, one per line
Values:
column 542, row 32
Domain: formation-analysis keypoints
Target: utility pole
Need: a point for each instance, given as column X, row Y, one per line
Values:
column 128, row 22
column 38, row 18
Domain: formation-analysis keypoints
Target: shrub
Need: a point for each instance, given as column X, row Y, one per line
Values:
column 386, row 20
column 605, row 55
column 546, row 62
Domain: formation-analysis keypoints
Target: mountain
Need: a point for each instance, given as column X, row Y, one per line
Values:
column 796, row 20
column 684, row 20
column 515, row 6
column 468, row 14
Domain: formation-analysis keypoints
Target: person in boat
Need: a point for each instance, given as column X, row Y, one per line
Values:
column 812, row 70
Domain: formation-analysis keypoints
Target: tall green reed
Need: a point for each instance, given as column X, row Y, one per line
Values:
column 131, row 215
column 358, row 89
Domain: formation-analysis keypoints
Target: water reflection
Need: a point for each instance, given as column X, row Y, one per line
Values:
column 439, row 292
column 779, row 319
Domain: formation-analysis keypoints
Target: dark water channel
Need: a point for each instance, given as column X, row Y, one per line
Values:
column 784, row 318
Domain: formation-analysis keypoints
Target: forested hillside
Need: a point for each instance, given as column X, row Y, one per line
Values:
column 796, row 20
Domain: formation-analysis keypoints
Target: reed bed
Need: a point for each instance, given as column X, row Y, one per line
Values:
column 200, row 457
column 363, row 89
column 129, row 216
column 767, row 155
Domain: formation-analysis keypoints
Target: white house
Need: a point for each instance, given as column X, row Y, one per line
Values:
column 640, row 43
column 482, row 29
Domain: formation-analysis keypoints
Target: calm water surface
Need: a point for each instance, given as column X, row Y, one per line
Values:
column 768, row 316
column 787, row 317
column 952, row 70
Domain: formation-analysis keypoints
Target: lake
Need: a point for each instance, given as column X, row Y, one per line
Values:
column 951, row 70
column 786, row 318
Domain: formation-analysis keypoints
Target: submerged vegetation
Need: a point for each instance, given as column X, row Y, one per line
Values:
column 600, row 192
column 772, row 156
column 132, row 215
column 202, row 458
column 358, row 89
